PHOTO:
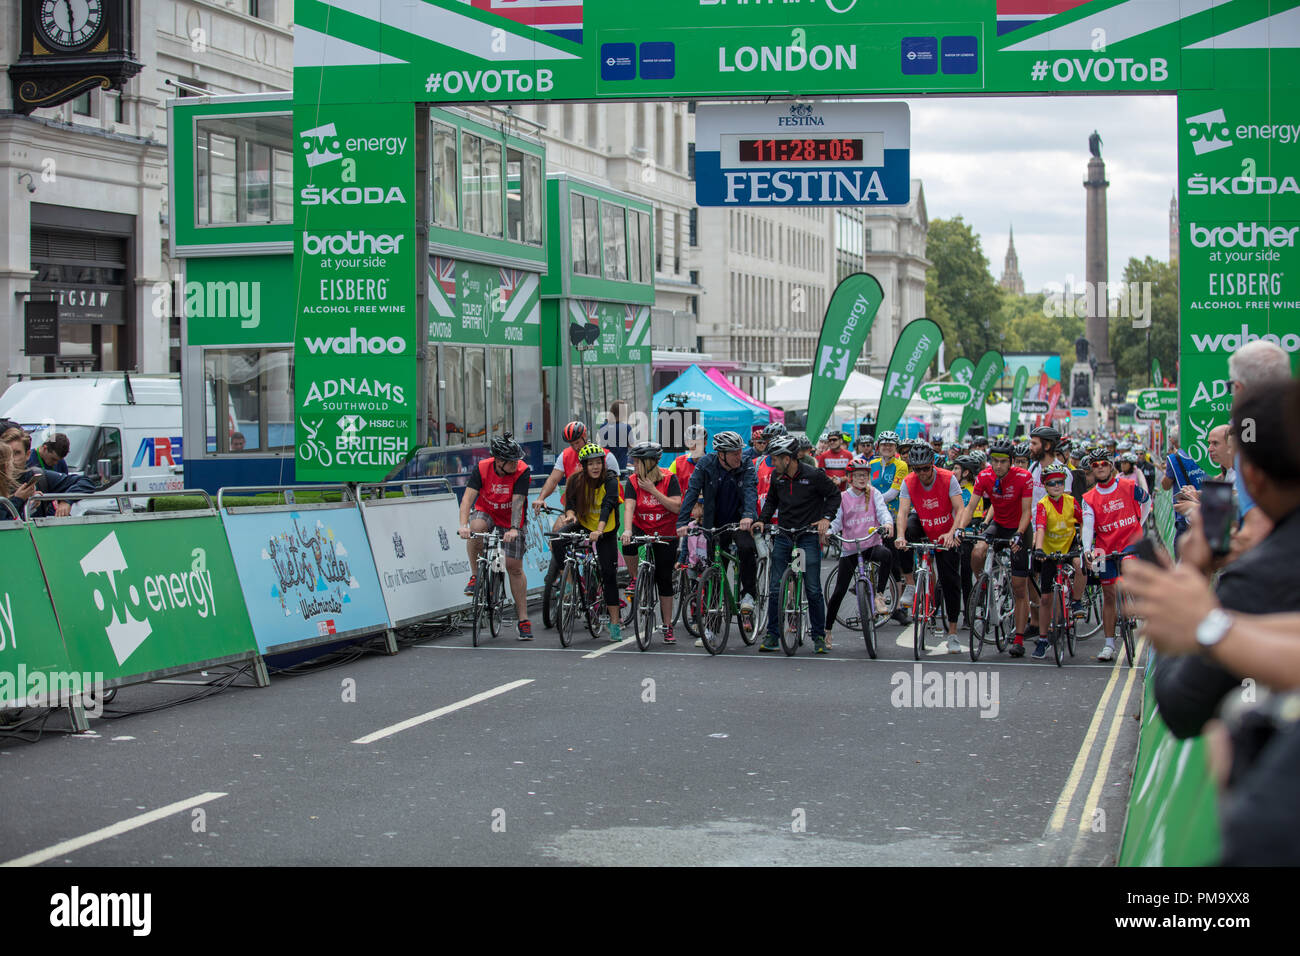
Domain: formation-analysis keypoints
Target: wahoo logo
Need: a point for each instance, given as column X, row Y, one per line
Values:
column 354, row 344
column 827, row 367
column 1209, row 132
column 1232, row 341
column 126, row 632
column 158, row 451
column 321, row 145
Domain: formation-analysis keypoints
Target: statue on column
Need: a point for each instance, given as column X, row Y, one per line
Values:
column 1094, row 144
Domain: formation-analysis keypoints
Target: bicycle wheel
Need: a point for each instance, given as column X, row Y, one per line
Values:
column 569, row 605
column 891, row 594
column 745, row 624
column 867, row 615
column 791, row 613
column 1092, row 620
column 846, row 616
column 496, row 602
column 976, row 639
column 920, row 613
column 979, row 618
column 645, row 605
column 593, row 597
column 760, row 602
column 1069, row 626
column 688, row 600
column 1128, row 627
column 1060, row 615
column 551, row 602
column 480, row 605
column 711, row 612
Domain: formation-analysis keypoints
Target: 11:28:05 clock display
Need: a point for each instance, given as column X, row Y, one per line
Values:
column 805, row 150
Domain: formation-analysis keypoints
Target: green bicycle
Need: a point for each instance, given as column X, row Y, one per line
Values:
column 717, row 599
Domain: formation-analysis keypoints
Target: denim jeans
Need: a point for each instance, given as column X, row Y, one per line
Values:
column 782, row 546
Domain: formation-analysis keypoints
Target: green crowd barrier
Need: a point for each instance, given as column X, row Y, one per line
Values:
column 1164, row 509
column 1173, row 811
column 141, row 596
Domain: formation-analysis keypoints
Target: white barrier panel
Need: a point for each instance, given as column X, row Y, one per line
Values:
column 421, row 562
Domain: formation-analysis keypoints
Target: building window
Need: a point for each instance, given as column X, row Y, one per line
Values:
column 492, row 191
column 251, row 403
column 262, row 9
column 695, row 227
column 615, row 235
column 584, row 234
column 534, row 199
column 244, row 167
column 643, row 233
column 471, row 177
column 82, row 105
column 445, row 178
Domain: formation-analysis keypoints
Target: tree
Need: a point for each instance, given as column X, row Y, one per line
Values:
column 1156, row 284
column 960, row 292
column 1029, row 328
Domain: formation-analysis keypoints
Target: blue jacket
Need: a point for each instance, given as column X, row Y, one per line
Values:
column 704, row 488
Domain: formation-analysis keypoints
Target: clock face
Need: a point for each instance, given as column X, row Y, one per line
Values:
column 69, row 24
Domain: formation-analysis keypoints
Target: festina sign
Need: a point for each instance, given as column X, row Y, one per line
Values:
column 803, row 154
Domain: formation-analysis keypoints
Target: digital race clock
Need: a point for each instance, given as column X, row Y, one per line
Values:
column 802, row 150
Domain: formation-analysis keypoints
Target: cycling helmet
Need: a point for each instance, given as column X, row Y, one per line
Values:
column 1021, row 450
column 575, row 431
column 804, row 443
column 1124, row 446
column 728, row 441
column 828, row 435
column 1049, row 470
column 774, row 430
column 981, row 459
column 969, row 462
column 921, row 456
column 697, row 433
column 590, row 451
column 784, row 445
column 890, row 437
column 647, row 449
column 859, row 464
column 1129, row 457
column 505, row 448
column 1140, row 449
column 1001, row 446
column 1045, row 433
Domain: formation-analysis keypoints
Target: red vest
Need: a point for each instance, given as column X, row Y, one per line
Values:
column 497, row 493
column 933, row 506
column 1117, row 517
column 649, row 516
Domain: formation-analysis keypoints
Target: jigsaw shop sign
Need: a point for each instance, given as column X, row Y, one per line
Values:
column 354, row 272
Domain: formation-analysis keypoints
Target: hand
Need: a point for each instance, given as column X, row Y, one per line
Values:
column 900, row 543
column 697, row 512
column 25, row 491
column 645, row 484
column 1171, row 602
column 627, row 537
column 1189, row 493
column 510, row 535
column 1015, row 544
column 948, row 539
column 570, row 516
column 464, row 531
column 594, row 536
column 822, row 527
column 746, row 524
column 756, row 527
column 62, row 509
column 538, row 505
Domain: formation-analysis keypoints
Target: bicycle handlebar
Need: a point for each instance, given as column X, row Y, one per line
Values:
column 653, row 539
column 870, row 534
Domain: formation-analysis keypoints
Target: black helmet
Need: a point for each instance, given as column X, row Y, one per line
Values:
column 805, row 444
column 773, row 430
column 1045, row 433
column 1001, row 446
column 921, row 456
column 969, row 462
column 647, row 449
column 505, row 448
column 784, row 445
column 1021, row 450
column 728, row 441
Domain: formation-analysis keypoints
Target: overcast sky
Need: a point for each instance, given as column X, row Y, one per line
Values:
column 1003, row 161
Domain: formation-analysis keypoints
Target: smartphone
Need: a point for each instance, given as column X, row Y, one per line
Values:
column 1145, row 550
column 1217, row 514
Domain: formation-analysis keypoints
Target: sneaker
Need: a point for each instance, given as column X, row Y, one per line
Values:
column 909, row 592
column 473, row 583
column 769, row 644
column 819, row 645
column 1040, row 649
column 1078, row 610
column 525, row 631
column 668, row 635
column 615, row 633
column 747, row 604
column 955, row 646
column 699, row 642
column 1017, row 649
column 1107, row 652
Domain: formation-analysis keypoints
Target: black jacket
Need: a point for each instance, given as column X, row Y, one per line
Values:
column 703, row 487
column 802, row 500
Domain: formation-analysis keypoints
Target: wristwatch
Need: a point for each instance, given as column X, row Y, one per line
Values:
column 1212, row 629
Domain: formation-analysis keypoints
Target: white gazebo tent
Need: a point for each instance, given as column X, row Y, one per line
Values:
column 861, row 394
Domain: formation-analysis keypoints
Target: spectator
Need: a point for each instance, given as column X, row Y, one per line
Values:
column 52, row 454
column 1253, row 364
column 12, row 434
column 10, row 488
column 1185, row 475
column 237, row 441
column 615, row 434
column 1260, row 581
column 1218, row 441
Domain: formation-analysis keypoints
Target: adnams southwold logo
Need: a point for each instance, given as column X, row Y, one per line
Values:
column 122, row 598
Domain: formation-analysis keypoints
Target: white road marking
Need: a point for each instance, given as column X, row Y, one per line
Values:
column 108, row 832
column 434, row 714
column 611, row 647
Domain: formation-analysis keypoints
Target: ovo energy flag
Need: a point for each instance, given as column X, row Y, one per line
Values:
column 848, row 320
column 988, row 371
column 1017, row 396
column 917, row 346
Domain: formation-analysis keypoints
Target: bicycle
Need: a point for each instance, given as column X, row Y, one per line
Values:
column 717, row 597
column 490, row 584
column 927, row 599
column 891, row 592
column 1062, row 633
column 864, row 587
column 581, row 590
column 1091, row 613
column 793, row 605
column 993, row 605
column 1125, row 624
column 687, row 577
column 645, row 590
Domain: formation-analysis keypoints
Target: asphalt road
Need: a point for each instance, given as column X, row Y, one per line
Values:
column 664, row 757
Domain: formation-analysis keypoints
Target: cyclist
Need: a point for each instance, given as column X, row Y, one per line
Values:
column 936, row 497
column 966, row 467
column 802, row 496
column 1114, row 510
column 1145, row 465
column 497, row 493
column 575, row 434
column 861, row 508
column 1128, row 469
column 835, row 460
column 1057, row 519
column 862, row 447
column 1044, row 447
column 1010, row 489
column 936, row 445
column 653, row 498
column 757, row 449
column 806, row 450
column 1020, row 455
column 763, row 464
column 887, row 469
column 728, row 491
column 591, row 502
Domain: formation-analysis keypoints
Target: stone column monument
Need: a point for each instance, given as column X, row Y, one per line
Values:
column 1098, row 322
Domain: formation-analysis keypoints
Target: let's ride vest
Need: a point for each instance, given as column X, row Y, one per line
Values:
column 932, row 505
column 495, row 497
column 650, row 516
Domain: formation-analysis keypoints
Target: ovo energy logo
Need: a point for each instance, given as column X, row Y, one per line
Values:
column 1209, row 132
column 321, row 145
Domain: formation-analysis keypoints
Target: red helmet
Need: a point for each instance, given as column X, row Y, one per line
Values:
column 575, row 431
column 859, row 464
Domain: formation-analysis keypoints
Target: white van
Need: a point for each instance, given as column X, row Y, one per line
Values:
column 133, row 424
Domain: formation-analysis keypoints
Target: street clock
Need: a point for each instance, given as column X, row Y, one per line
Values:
column 69, row 47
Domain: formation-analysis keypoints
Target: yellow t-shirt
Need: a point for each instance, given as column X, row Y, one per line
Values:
column 591, row 519
column 1059, row 526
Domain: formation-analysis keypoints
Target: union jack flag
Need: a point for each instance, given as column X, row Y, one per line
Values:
column 1014, row 14
column 446, row 275
column 560, row 17
column 510, row 279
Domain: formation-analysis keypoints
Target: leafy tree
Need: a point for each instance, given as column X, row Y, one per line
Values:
column 960, row 292
column 1029, row 328
column 1128, row 345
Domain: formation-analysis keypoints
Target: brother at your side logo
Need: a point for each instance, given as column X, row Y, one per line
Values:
column 83, row 909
